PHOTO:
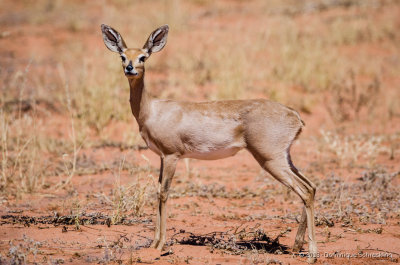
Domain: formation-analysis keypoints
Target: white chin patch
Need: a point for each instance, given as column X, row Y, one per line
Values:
column 131, row 73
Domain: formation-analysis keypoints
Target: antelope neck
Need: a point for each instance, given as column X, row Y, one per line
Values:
column 139, row 99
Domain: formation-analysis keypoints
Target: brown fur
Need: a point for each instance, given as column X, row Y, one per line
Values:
column 214, row 130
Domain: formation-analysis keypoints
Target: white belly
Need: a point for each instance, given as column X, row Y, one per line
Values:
column 213, row 154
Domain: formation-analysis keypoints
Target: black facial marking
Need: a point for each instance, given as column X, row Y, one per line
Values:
column 129, row 67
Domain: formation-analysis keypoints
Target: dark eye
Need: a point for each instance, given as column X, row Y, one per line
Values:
column 123, row 58
column 142, row 58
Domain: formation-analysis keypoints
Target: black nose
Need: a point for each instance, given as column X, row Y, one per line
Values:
column 129, row 67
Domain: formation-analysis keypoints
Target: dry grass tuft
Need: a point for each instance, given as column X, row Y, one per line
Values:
column 130, row 199
column 349, row 149
column 372, row 199
column 350, row 99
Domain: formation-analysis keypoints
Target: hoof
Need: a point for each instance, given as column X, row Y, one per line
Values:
column 160, row 246
column 154, row 244
column 297, row 246
column 296, row 249
column 311, row 260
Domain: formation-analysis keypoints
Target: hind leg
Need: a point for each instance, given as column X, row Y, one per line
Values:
column 187, row 167
column 281, row 168
column 299, row 241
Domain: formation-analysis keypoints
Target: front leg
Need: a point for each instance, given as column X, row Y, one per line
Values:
column 157, row 226
column 169, row 165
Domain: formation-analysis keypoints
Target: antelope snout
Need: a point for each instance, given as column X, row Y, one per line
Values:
column 129, row 70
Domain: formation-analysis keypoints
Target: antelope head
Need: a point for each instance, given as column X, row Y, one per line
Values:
column 133, row 59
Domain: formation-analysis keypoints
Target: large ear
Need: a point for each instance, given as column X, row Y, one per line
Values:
column 112, row 39
column 157, row 39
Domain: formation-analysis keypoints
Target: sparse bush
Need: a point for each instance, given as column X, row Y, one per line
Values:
column 349, row 99
column 19, row 254
column 348, row 149
column 371, row 199
column 130, row 198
